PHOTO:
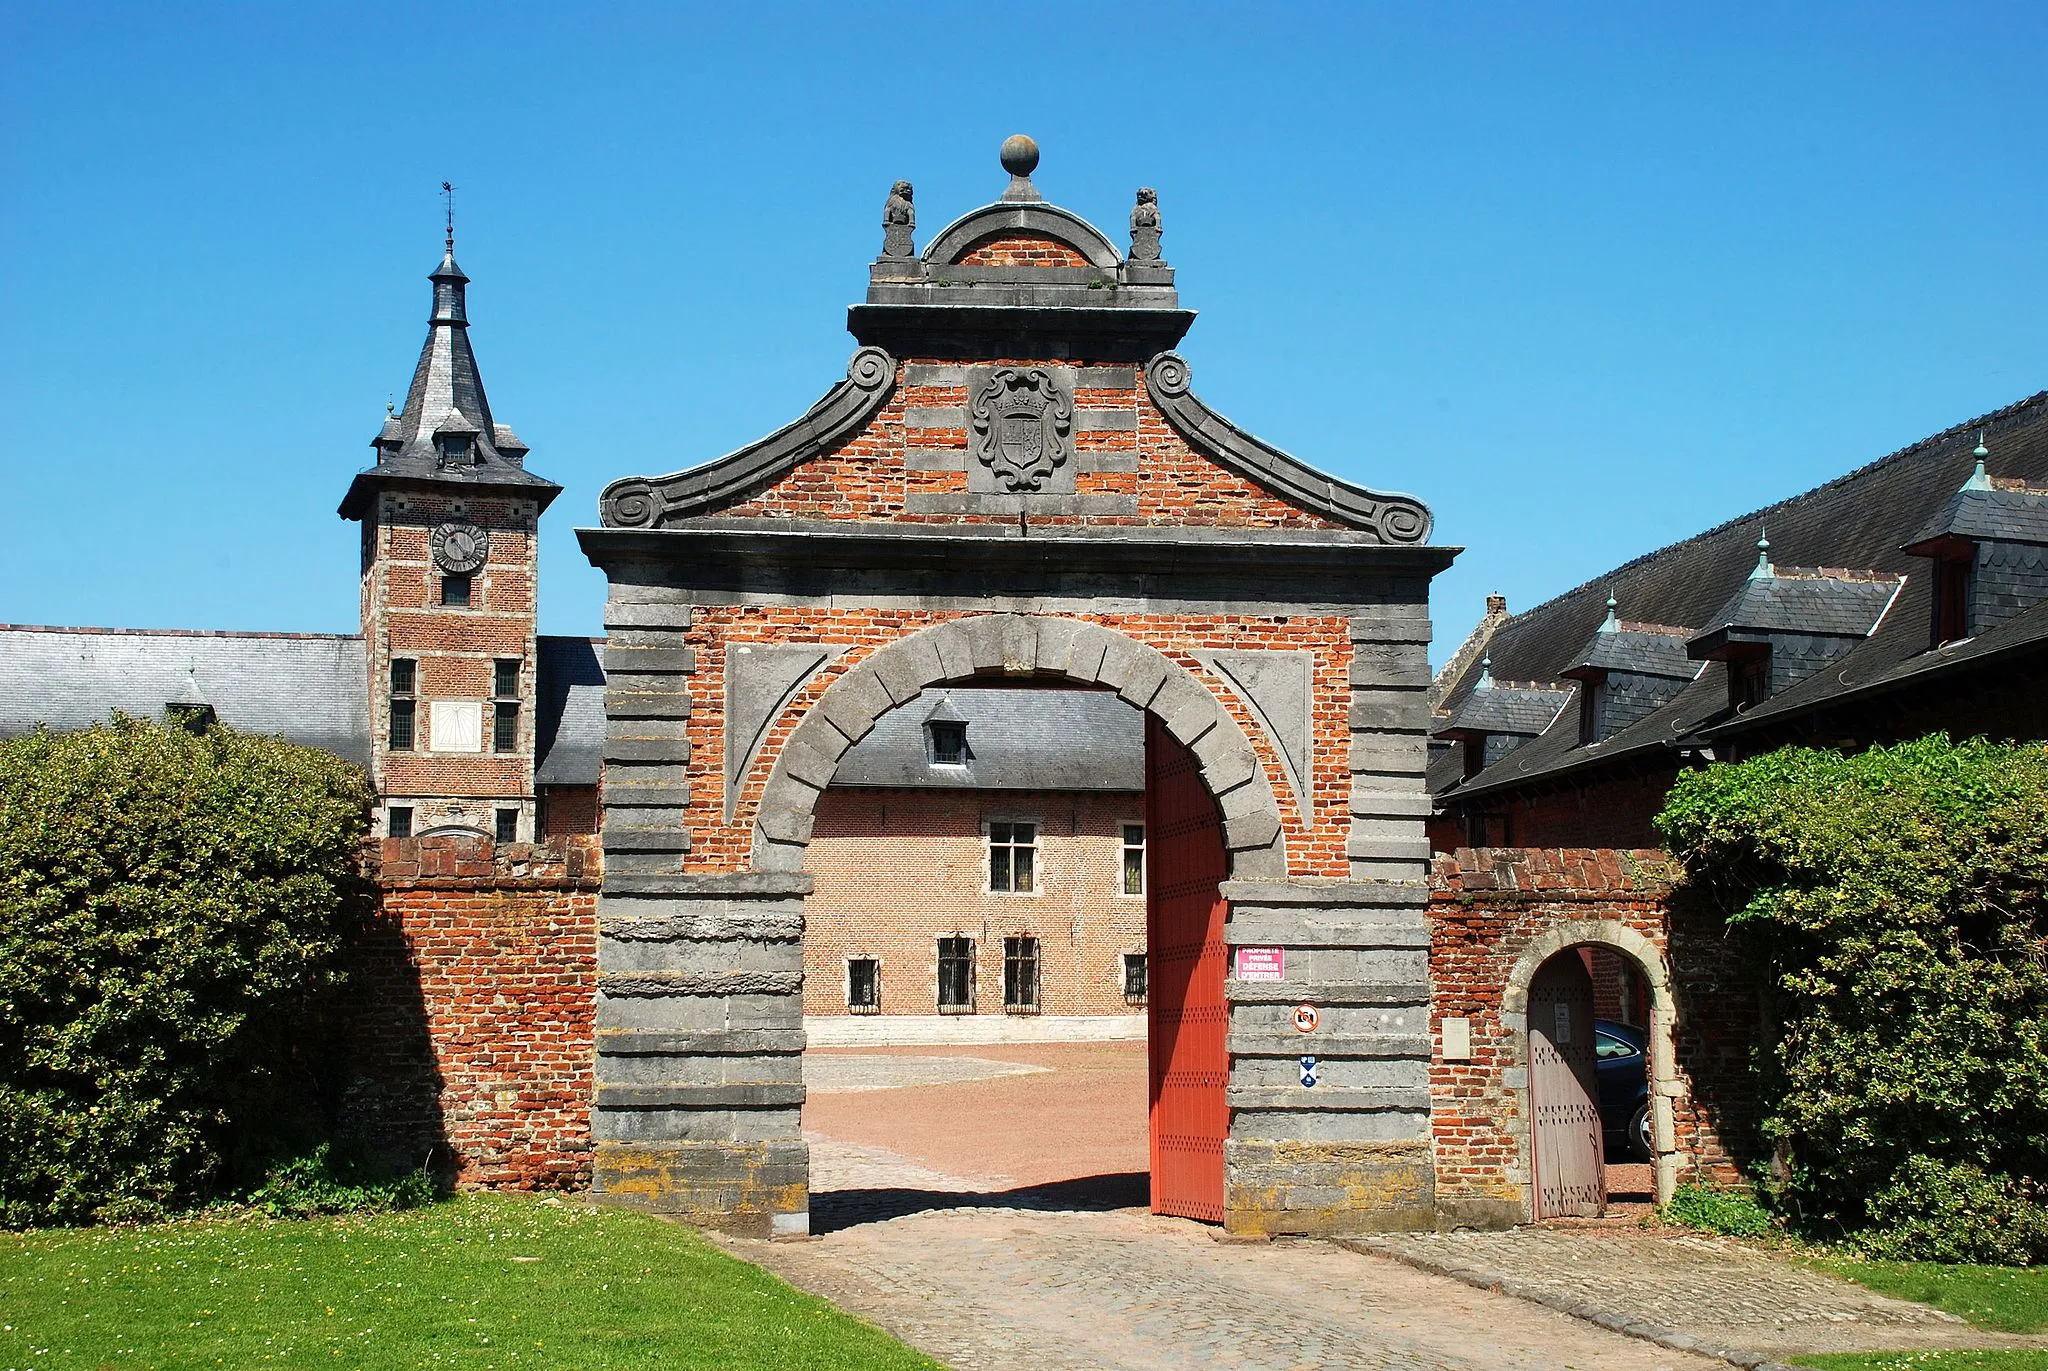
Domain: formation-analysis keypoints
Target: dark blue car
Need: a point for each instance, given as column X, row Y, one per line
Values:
column 1622, row 1068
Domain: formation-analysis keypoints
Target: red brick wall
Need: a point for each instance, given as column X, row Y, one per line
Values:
column 1487, row 906
column 867, row 476
column 455, row 648
column 568, row 810
column 472, row 995
column 898, row 869
column 1008, row 249
column 1315, row 840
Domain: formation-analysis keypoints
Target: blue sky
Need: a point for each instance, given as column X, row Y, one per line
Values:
column 1586, row 278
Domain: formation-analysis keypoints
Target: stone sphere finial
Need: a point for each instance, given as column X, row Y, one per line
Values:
column 1020, row 154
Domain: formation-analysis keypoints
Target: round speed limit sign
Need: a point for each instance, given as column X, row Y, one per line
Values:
column 1306, row 1018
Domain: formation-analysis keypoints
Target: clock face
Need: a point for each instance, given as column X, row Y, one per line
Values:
column 460, row 547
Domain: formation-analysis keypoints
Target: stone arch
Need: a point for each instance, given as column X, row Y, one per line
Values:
column 1666, row 1089
column 1016, row 645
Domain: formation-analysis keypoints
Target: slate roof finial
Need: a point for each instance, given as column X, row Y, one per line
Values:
column 1979, row 479
column 1020, row 158
column 1764, row 570
column 1612, row 623
column 1485, row 681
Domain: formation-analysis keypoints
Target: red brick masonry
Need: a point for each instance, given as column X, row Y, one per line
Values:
column 473, row 992
column 1488, row 908
column 475, row 980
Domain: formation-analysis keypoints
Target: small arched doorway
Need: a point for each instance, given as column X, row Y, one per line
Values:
column 1568, row 1167
column 1583, row 992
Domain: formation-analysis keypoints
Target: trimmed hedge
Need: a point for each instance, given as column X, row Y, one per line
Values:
column 1898, row 902
column 171, row 906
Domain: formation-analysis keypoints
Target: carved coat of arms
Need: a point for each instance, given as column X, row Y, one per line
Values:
column 1020, row 421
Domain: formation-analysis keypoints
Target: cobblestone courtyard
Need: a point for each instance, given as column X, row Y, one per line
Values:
column 987, row 1205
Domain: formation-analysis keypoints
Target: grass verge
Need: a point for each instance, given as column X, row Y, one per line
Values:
column 482, row 1282
column 1928, row 1361
column 2012, row 1299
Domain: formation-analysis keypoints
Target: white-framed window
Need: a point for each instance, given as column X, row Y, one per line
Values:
column 1130, row 876
column 956, row 974
column 1020, row 975
column 864, row 985
column 1012, row 856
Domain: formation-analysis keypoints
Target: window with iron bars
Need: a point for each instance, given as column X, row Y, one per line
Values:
column 1134, row 977
column 1020, row 975
column 956, row 975
column 404, row 677
column 863, row 985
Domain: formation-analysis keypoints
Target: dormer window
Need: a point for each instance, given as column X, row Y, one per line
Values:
column 1952, row 577
column 1475, row 755
column 1592, row 711
column 947, row 740
column 457, row 450
column 1749, row 680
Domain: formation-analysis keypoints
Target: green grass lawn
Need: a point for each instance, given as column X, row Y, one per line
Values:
column 2012, row 1299
column 477, row 1282
column 1929, row 1361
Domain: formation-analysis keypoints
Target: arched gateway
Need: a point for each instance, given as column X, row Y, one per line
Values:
column 1015, row 482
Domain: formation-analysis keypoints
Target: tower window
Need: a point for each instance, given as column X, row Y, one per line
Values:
column 1020, row 974
column 456, row 450
column 506, row 829
column 863, row 985
column 949, row 742
column 404, row 673
column 1134, row 860
column 1013, row 858
column 398, row 821
column 455, row 590
column 505, row 677
column 956, row 974
column 504, row 727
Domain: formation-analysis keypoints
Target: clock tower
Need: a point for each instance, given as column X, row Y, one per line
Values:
column 450, row 518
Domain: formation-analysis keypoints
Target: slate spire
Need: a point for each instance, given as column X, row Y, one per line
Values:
column 445, row 430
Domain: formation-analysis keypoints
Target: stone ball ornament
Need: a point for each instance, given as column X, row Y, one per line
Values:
column 1020, row 154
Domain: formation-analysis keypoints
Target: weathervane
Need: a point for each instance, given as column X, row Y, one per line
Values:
column 448, row 192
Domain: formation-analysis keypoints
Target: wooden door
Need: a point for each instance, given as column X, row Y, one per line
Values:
column 1187, row 1015
column 1564, row 1094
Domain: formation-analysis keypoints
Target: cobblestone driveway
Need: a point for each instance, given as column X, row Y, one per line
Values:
column 1058, row 1279
column 1707, row 1288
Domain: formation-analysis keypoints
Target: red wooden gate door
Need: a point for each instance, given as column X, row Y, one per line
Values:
column 1570, row 1176
column 1188, row 1018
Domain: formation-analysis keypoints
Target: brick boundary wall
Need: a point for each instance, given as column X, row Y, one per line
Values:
column 1492, row 909
column 472, row 995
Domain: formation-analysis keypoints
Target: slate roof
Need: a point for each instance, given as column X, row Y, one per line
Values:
column 1507, row 707
column 1862, row 520
column 446, row 396
column 1016, row 740
column 309, row 688
column 2000, row 514
column 305, row 687
column 1646, row 650
column 1805, row 600
column 569, row 711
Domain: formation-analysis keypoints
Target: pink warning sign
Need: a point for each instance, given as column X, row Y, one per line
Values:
column 1261, row 964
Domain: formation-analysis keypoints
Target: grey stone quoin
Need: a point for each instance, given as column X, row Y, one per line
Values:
column 700, row 1030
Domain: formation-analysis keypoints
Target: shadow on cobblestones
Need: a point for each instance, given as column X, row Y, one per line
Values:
column 833, row 1211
